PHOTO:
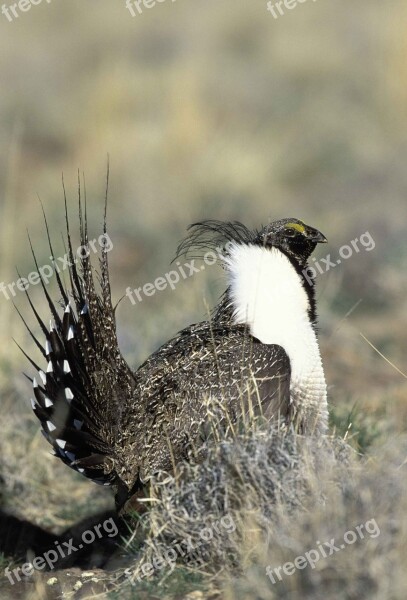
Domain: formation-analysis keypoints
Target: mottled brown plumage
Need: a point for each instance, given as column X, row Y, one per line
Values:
column 119, row 427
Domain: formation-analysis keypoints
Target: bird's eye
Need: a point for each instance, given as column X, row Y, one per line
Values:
column 290, row 232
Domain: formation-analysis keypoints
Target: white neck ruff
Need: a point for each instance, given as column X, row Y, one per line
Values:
column 267, row 294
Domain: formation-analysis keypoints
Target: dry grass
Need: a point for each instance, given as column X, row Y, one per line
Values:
column 212, row 109
column 265, row 498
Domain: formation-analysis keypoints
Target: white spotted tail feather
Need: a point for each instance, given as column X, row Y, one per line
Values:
column 77, row 398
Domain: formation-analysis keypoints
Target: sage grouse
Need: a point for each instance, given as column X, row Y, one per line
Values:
column 258, row 352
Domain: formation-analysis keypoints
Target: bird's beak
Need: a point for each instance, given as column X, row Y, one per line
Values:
column 316, row 236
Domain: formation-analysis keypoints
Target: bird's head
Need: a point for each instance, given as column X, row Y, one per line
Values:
column 293, row 237
column 220, row 239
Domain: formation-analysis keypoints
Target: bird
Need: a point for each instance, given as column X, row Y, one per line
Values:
column 256, row 354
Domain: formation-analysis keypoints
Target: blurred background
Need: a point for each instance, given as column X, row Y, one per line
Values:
column 207, row 109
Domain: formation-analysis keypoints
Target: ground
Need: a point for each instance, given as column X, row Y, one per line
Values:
column 216, row 110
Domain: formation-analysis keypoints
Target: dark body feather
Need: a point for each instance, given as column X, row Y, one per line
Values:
column 118, row 427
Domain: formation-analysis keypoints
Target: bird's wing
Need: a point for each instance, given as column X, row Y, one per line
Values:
column 206, row 371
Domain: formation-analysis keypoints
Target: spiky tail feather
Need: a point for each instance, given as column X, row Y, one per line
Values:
column 79, row 397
